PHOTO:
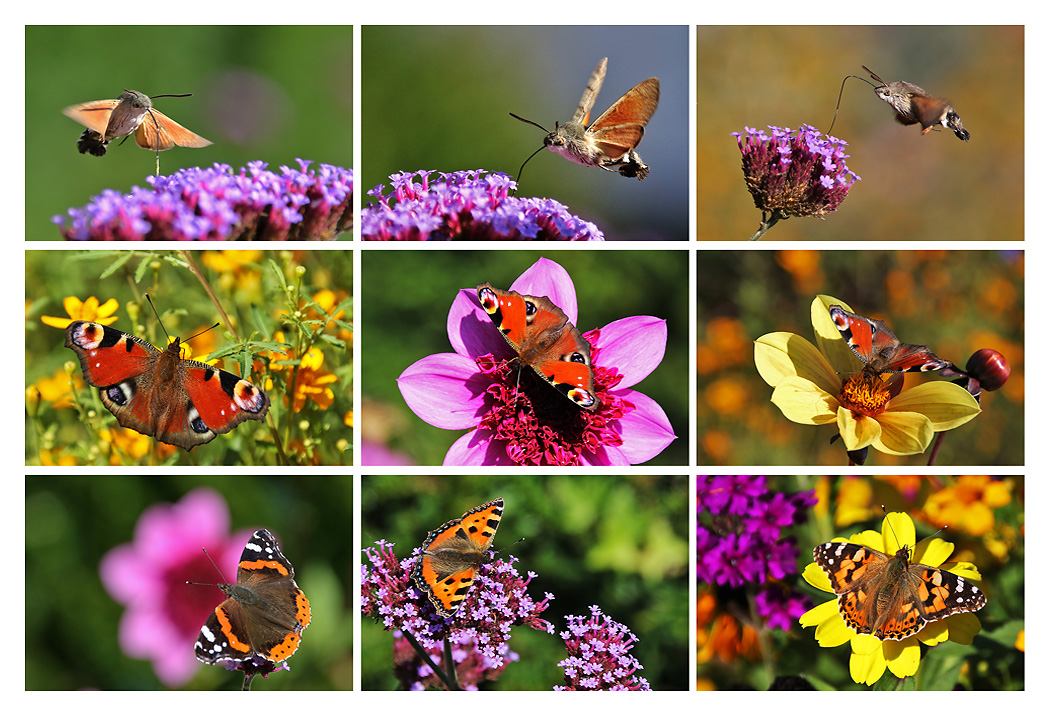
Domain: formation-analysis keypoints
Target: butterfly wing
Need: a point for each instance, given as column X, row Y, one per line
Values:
column 544, row 340
column 879, row 348
column 452, row 554
column 620, row 128
column 181, row 403
column 222, row 400
column 160, row 132
column 582, row 116
column 93, row 115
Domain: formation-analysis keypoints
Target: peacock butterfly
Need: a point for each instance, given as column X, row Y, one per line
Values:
column 544, row 340
column 878, row 347
column 177, row 401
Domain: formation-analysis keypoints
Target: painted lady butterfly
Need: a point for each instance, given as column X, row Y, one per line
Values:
column 451, row 555
column 889, row 597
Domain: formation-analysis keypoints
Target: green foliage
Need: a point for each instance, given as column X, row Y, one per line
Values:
column 260, row 296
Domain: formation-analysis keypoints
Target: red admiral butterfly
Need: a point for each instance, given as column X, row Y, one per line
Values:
column 878, row 347
column 264, row 614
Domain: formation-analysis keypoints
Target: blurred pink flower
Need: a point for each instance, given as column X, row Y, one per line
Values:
column 163, row 615
column 477, row 388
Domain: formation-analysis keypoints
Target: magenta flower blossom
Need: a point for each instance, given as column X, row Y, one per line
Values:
column 163, row 615
column 472, row 205
column 799, row 173
column 480, row 387
column 215, row 204
column 740, row 543
column 480, row 629
column 600, row 655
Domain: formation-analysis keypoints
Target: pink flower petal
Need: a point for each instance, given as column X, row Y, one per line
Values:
column 646, row 431
column 477, row 448
column 470, row 330
column 547, row 278
column 634, row 346
column 445, row 390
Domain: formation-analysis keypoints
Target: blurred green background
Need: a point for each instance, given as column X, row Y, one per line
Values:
column 955, row 301
column 621, row 543
column 248, row 291
column 438, row 98
column 401, row 327
column 72, row 622
column 915, row 187
column 269, row 93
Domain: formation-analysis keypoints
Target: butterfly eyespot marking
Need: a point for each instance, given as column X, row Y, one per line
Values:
column 196, row 424
column 121, row 394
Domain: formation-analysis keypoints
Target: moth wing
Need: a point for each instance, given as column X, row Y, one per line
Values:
column 93, row 115
column 160, row 132
column 590, row 93
column 620, row 128
column 928, row 110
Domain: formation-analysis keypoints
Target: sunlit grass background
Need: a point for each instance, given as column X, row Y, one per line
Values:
column 251, row 287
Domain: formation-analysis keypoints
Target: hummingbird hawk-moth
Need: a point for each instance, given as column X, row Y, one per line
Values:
column 914, row 105
column 131, row 113
column 610, row 142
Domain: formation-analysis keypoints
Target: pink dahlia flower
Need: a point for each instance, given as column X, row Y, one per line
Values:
column 480, row 387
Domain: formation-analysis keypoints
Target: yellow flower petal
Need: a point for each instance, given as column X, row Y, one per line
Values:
column 945, row 404
column 857, row 431
column 802, row 401
column 903, row 658
column 903, row 434
column 781, row 355
column 866, row 668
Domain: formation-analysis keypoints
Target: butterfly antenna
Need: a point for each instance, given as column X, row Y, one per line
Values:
column 200, row 333
column 843, row 87
column 508, row 547
column 190, row 582
column 157, row 314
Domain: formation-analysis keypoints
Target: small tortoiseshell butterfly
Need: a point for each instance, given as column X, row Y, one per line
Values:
column 452, row 554
column 878, row 347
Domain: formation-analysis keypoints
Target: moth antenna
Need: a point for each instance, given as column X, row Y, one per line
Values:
column 190, row 582
column 873, row 76
column 534, row 124
column 187, row 94
column 843, row 87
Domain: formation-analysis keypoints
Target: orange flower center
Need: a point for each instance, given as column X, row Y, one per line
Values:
column 866, row 395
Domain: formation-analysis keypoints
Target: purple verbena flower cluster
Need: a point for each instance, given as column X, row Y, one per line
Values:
column 739, row 540
column 216, row 204
column 480, row 628
column 800, row 174
column 600, row 655
column 472, row 205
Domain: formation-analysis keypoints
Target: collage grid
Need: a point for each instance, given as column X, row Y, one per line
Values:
column 367, row 383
